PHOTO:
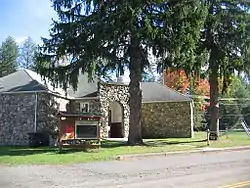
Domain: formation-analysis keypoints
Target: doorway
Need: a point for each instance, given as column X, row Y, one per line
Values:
column 116, row 120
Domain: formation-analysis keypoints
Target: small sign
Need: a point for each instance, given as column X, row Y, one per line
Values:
column 70, row 132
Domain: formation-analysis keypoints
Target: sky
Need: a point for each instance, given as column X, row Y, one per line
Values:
column 25, row 18
column 28, row 18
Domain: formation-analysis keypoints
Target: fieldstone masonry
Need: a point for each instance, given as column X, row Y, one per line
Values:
column 17, row 117
column 114, row 93
column 94, row 105
column 167, row 119
column 159, row 119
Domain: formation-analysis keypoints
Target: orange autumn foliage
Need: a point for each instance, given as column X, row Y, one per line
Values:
column 179, row 81
column 202, row 87
column 176, row 80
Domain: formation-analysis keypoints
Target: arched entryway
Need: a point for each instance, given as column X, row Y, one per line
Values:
column 108, row 94
column 116, row 118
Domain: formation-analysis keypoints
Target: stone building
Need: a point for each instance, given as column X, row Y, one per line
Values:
column 165, row 112
column 28, row 105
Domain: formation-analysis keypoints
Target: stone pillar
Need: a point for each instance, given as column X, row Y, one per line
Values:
column 126, row 113
column 104, row 124
column 114, row 93
column 104, row 120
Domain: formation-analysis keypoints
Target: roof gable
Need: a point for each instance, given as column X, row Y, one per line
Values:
column 20, row 81
column 26, row 80
column 84, row 88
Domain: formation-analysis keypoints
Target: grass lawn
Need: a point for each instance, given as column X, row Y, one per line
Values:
column 110, row 149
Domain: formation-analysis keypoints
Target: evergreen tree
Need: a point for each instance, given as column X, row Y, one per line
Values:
column 27, row 51
column 226, row 37
column 224, row 47
column 8, row 57
column 121, row 33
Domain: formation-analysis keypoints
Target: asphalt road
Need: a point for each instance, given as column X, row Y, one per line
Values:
column 180, row 171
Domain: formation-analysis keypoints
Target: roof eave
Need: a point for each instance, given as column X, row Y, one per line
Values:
column 172, row 101
column 84, row 98
column 23, row 92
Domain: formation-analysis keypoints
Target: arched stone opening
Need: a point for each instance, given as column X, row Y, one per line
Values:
column 111, row 94
column 116, row 120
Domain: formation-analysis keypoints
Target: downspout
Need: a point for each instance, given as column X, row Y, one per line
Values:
column 35, row 127
column 192, row 106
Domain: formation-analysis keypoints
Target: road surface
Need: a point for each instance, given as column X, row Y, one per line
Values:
column 210, row 170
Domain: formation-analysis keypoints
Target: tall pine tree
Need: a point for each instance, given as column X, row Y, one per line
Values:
column 8, row 57
column 226, row 38
column 224, row 48
column 98, row 36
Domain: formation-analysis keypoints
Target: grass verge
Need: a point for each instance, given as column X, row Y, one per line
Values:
column 110, row 149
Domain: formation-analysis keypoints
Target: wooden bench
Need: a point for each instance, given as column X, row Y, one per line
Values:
column 79, row 144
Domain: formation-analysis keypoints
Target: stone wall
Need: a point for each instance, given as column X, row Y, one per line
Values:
column 17, row 114
column 17, row 118
column 167, row 119
column 47, row 109
column 114, row 93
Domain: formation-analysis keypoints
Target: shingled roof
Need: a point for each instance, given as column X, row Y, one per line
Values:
column 85, row 88
column 156, row 92
column 26, row 80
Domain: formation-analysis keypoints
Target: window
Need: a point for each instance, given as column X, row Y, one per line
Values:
column 84, row 107
column 86, row 129
column 77, row 107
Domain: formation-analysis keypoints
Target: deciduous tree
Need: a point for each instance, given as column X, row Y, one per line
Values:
column 202, row 87
column 27, row 51
column 179, row 81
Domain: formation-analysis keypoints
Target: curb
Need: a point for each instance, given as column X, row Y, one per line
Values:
column 164, row 154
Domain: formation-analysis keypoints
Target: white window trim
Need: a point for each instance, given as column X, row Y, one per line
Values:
column 82, row 104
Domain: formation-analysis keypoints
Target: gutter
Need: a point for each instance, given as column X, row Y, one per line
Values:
column 172, row 101
column 40, row 91
column 23, row 92
column 59, row 96
column 85, row 98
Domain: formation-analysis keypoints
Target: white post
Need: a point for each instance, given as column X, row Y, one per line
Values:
column 35, row 127
column 192, row 118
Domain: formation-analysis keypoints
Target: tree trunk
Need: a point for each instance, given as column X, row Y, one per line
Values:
column 135, row 101
column 214, row 100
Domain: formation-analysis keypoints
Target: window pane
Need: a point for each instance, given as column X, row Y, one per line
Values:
column 85, row 108
column 77, row 105
column 86, row 131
